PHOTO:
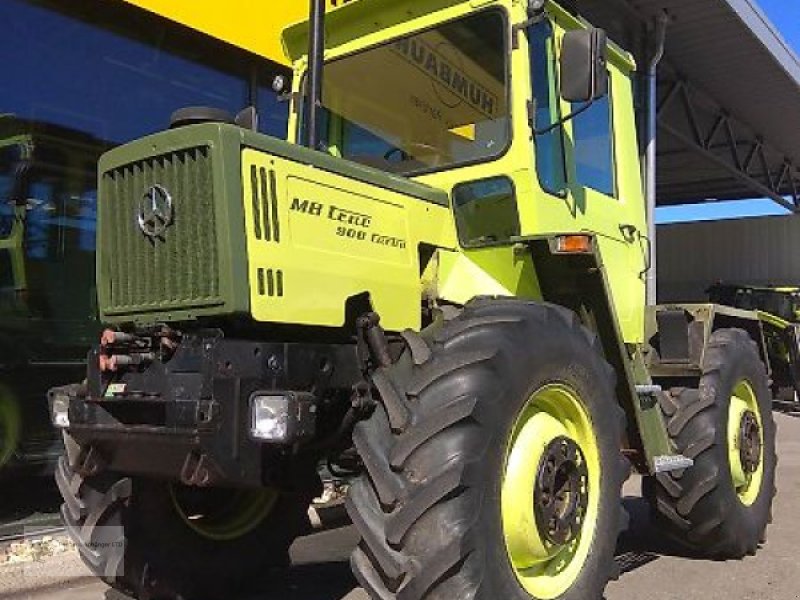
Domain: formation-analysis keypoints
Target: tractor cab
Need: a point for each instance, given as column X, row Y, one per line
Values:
column 523, row 117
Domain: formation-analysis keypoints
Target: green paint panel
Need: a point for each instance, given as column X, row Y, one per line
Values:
column 178, row 270
column 198, row 267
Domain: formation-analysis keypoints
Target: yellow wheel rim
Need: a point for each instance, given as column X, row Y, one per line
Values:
column 222, row 515
column 746, row 443
column 545, row 569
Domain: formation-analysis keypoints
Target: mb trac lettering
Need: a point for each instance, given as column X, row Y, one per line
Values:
column 307, row 207
column 349, row 217
column 351, row 224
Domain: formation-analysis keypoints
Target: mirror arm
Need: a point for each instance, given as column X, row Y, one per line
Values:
column 524, row 26
column 561, row 121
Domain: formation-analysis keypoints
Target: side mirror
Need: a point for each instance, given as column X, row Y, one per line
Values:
column 584, row 76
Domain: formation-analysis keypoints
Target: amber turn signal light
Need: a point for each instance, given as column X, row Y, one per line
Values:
column 574, row 244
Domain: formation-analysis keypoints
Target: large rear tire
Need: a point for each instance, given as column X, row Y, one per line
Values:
column 150, row 539
column 722, row 505
column 493, row 464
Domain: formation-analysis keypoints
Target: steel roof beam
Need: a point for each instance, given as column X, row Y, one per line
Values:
column 754, row 170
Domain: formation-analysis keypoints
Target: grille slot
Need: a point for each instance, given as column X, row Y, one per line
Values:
column 265, row 200
column 180, row 270
column 254, row 186
column 264, row 190
column 273, row 189
column 270, row 282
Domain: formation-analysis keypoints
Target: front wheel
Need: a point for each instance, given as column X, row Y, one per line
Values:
column 493, row 463
column 722, row 505
column 152, row 539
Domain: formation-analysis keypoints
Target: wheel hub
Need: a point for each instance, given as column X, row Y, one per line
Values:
column 561, row 492
column 750, row 442
column 222, row 514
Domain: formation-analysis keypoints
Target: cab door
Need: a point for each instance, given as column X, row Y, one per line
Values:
column 588, row 169
column 604, row 176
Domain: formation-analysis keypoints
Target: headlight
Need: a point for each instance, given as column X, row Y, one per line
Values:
column 59, row 411
column 282, row 418
column 270, row 418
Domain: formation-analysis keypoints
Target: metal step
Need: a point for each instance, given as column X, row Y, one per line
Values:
column 671, row 462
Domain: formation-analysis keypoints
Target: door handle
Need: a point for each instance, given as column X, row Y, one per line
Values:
column 647, row 249
column 632, row 234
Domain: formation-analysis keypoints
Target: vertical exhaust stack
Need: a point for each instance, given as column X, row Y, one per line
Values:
column 316, row 59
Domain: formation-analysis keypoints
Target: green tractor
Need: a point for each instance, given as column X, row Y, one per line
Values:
column 47, row 306
column 438, row 281
column 779, row 311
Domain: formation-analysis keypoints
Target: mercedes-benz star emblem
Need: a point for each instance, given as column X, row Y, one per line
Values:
column 156, row 211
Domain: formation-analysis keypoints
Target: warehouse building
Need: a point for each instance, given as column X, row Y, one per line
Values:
column 757, row 251
column 79, row 77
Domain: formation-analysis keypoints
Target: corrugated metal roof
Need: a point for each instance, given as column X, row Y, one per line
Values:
column 734, row 61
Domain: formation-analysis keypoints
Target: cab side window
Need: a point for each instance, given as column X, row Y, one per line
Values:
column 593, row 137
column 486, row 212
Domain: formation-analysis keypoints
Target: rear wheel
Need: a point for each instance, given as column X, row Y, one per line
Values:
column 493, row 464
column 153, row 539
column 722, row 505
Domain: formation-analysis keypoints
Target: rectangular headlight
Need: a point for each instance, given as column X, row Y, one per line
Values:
column 269, row 418
column 60, row 411
column 282, row 418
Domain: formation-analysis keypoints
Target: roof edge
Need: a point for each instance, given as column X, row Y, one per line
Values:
column 757, row 21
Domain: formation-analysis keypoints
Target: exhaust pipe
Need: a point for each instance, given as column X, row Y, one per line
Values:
column 316, row 60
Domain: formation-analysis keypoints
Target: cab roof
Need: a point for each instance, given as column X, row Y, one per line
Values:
column 729, row 89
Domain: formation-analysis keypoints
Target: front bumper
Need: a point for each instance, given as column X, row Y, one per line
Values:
column 189, row 419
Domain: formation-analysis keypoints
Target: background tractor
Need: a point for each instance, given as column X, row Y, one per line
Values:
column 779, row 311
column 439, row 280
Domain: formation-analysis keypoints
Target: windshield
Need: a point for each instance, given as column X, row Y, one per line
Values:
column 425, row 102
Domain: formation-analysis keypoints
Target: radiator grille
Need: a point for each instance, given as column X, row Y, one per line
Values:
column 177, row 270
